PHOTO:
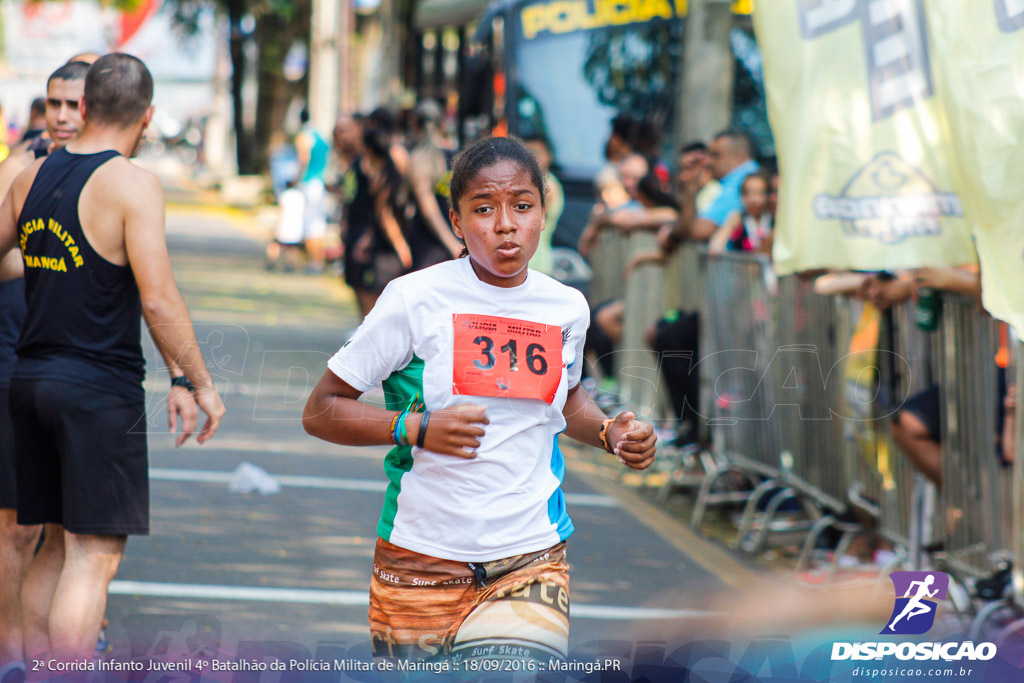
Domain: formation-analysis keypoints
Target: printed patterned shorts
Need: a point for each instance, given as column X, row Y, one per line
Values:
column 515, row 608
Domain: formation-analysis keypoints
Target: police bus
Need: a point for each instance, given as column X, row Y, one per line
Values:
column 565, row 69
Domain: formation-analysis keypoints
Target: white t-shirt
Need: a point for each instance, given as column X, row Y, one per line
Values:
column 507, row 500
column 293, row 208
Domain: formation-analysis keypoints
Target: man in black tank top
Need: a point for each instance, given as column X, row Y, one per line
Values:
column 86, row 220
column 63, row 124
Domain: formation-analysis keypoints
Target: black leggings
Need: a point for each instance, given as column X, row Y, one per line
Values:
column 677, row 342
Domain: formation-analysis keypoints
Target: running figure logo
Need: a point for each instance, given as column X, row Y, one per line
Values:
column 917, row 596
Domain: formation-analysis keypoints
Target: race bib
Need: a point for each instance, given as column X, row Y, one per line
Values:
column 506, row 357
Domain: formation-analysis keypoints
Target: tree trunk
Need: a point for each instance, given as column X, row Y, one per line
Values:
column 243, row 146
column 275, row 34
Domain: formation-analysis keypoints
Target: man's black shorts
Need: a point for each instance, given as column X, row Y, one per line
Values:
column 8, row 491
column 925, row 406
column 81, row 457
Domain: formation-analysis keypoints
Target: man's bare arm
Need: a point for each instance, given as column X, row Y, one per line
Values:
column 11, row 167
column 702, row 230
column 303, row 150
column 162, row 304
column 690, row 226
column 8, row 227
column 964, row 279
column 11, row 266
column 642, row 219
column 719, row 240
column 14, row 194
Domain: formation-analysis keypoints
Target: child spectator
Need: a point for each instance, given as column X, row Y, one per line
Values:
column 748, row 230
column 288, row 237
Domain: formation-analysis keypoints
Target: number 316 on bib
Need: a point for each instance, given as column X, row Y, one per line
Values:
column 506, row 357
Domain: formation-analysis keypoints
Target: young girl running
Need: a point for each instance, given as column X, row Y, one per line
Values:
column 481, row 362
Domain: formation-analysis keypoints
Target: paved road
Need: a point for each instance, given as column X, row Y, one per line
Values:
column 222, row 570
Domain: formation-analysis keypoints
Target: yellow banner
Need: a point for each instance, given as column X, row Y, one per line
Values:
column 979, row 60
column 867, row 180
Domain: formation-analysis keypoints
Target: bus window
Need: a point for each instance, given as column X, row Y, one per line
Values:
column 571, row 85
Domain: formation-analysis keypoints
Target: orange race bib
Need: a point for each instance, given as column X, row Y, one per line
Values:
column 506, row 357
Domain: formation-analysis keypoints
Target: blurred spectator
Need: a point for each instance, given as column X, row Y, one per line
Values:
column 648, row 144
column 284, row 163
column 620, row 140
column 916, row 427
column 348, row 138
column 630, row 215
column 651, row 194
column 695, row 169
column 730, row 157
column 676, row 335
column 357, row 231
column 288, row 237
column 749, row 230
column 429, row 232
column 607, row 320
column 541, row 149
column 631, row 169
column 36, row 120
column 383, row 120
column 312, row 151
column 391, row 253
column 611, row 194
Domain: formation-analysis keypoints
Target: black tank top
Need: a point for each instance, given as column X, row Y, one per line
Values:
column 12, row 314
column 358, row 203
column 421, row 237
column 83, row 321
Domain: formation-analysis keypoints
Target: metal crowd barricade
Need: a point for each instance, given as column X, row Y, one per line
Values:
column 839, row 370
column 823, row 369
column 1017, row 500
column 848, row 367
column 887, row 480
column 809, row 376
column 1012, row 519
column 738, row 397
column 608, row 261
column 686, row 291
column 977, row 501
column 644, row 301
column 800, row 390
column 685, row 279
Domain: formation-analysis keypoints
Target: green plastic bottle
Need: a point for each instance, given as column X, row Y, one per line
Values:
column 927, row 313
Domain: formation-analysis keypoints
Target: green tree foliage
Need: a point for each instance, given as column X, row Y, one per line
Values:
column 279, row 24
column 633, row 69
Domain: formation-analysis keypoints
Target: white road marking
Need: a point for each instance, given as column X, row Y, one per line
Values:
column 338, row 484
column 361, row 599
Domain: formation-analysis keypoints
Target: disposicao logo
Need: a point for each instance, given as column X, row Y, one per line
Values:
column 914, row 612
column 917, row 597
